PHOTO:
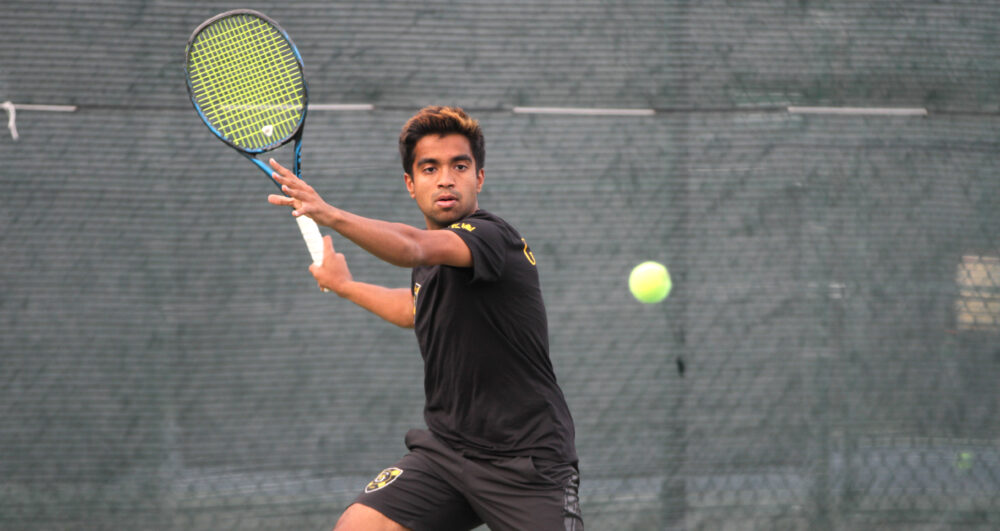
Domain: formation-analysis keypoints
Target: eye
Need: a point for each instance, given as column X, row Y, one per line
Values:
column 429, row 169
column 461, row 167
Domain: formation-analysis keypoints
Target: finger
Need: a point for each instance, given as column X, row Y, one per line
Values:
column 314, row 269
column 327, row 248
column 281, row 200
column 281, row 175
column 298, row 192
column 294, row 200
column 280, row 178
column 277, row 167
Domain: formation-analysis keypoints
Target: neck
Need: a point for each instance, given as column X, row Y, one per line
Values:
column 433, row 225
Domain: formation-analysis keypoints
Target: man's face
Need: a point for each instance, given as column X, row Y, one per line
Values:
column 444, row 180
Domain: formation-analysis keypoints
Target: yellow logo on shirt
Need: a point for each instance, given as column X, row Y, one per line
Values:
column 465, row 226
column 416, row 290
column 384, row 478
column 527, row 253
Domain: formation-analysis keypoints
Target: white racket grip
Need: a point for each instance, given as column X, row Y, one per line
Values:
column 314, row 240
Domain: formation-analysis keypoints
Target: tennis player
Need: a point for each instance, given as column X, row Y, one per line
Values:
column 499, row 448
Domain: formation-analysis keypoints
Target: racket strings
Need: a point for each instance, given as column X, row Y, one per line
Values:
column 246, row 78
column 261, row 72
column 253, row 99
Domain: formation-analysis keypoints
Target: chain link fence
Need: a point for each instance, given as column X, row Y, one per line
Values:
column 828, row 357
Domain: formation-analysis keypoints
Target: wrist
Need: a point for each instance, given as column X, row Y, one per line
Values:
column 324, row 216
column 335, row 217
column 344, row 289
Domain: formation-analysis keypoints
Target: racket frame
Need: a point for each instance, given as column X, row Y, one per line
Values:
column 296, row 134
column 308, row 227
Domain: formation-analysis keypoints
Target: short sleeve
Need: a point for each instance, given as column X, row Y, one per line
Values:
column 487, row 242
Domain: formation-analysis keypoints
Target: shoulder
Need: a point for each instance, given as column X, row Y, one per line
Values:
column 482, row 219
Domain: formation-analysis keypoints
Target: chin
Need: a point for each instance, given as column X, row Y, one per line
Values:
column 443, row 219
column 443, row 222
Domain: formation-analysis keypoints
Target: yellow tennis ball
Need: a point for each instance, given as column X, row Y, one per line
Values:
column 650, row 282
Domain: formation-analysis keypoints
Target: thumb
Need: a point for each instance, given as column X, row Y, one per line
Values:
column 327, row 245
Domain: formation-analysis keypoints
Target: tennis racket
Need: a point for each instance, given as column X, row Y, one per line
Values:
column 245, row 79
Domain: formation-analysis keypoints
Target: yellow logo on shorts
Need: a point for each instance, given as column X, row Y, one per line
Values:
column 384, row 478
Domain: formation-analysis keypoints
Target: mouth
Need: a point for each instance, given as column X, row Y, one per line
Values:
column 446, row 201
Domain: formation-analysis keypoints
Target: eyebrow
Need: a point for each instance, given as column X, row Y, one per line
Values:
column 429, row 160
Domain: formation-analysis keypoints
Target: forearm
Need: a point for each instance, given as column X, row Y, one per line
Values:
column 393, row 305
column 395, row 243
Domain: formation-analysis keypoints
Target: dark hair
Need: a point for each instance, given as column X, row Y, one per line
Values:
column 440, row 120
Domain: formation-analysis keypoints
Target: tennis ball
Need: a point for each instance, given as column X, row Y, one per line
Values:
column 649, row 282
column 964, row 460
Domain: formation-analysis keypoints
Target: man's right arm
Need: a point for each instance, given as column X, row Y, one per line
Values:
column 393, row 305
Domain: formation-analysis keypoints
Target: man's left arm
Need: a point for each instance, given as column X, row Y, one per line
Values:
column 396, row 243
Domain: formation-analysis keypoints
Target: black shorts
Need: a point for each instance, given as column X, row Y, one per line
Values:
column 434, row 488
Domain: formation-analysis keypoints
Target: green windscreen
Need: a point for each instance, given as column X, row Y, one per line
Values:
column 828, row 358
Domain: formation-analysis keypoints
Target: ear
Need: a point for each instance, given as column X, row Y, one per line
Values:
column 408, row 180
column 480, row 177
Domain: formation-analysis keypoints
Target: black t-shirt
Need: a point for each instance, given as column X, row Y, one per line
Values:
column 488, row 380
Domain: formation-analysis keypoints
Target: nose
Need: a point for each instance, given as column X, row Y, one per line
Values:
column 445, row 179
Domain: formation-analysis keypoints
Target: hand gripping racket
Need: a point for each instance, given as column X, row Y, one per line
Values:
column 245, row 79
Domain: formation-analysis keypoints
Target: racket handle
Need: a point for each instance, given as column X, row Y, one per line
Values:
column 314, row 240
